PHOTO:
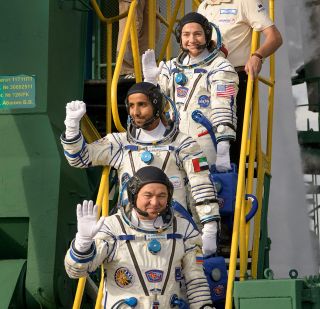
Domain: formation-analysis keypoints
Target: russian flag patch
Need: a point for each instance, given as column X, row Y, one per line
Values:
column 199, row 259
column 200, row 164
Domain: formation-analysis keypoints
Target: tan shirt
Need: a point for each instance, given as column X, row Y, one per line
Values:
column 236, row 19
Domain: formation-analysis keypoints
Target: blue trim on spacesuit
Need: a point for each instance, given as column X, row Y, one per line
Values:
column 82, row 257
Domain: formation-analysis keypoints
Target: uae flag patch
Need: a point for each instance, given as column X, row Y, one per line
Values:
column 200, row 164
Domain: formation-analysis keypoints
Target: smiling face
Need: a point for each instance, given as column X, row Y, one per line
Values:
column 192, row 38
column 152, row 198
column 141, row 110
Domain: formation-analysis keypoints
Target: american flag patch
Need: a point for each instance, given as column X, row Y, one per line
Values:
column 199, row 259
column 225, row 91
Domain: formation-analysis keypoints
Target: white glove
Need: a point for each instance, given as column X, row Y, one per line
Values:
column 74, row 112
column 209, row 238
column 88, row 226
column 150, row 69
column 223, row 156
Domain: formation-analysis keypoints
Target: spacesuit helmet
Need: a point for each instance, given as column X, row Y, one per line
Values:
column 146, row 175
column 194, row 17
column 156, row 98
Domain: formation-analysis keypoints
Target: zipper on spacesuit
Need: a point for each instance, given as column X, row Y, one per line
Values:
column 191, row 92
column 131, row 162
column 173, row 249
column 155, row 302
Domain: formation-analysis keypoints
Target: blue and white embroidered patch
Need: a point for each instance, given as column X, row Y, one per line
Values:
column 176, row 181
column 123, row 277
column 228, row 11
column 154, row 275
column 204, row 101
column 182, row 92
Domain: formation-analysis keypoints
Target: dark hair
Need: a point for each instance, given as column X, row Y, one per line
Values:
column 153, row 93
column 194, row 17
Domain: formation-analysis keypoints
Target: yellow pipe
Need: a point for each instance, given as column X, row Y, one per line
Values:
column 271, row 95
column 104, row 183
column 116, row 73
column 152, row 9
column 182, row 9
column 245, row 227
column 105, row 212
column 270, row 112
column 135, row 51
column 195, row 4
column 257, row 217
column 79, row 293
column 105, row 200
column 239, row 195
column 169, row 47
column 109, row 77
column 169, row 30
column 162, row 20
column 102, row 17
column 98, row 11
column 269, row 83
column 242, row 237
column 264, row 162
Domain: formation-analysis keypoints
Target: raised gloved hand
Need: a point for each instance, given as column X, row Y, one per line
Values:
column 209, row 238
column 223, row 156
column 150, row 69
column 74, row 112
column 88, row 226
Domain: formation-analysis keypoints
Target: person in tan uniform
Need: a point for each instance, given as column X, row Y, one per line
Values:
column 142, row 8
column 236, row 20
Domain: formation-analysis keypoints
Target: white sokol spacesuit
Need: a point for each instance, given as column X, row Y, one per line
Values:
column 142, row 261
column 207, row 83
column 211, row 88
column 177, row 154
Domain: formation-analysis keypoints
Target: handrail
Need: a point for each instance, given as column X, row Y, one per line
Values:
column 169, row 30
column 271, row 93
column 111, row 82
column 251, row 142
column 239, row 195
column 116, row 73
column 152, row 23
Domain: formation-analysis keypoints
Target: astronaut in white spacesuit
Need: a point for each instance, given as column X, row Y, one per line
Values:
column 145, row 249
column 201, row 79
column 149, row 141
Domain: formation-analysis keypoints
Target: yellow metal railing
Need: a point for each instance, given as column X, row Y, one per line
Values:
column 257, row 160
column 130, row 27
